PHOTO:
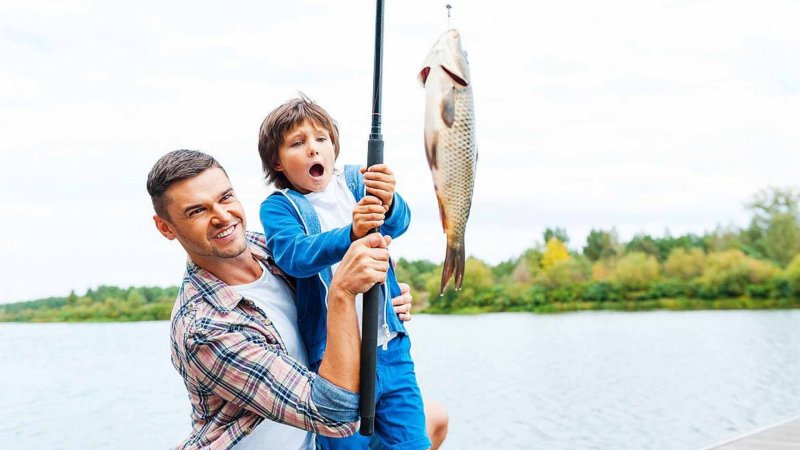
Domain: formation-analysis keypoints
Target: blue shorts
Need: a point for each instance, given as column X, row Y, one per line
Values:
column 399, row 414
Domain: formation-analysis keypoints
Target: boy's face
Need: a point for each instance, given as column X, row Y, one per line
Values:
column 306, row 157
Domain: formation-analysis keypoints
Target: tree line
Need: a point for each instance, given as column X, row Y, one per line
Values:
column 104, row 304
column 757, row 266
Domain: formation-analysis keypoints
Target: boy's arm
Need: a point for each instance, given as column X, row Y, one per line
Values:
column 380, row 182
column 296, row 253
column 397, row 218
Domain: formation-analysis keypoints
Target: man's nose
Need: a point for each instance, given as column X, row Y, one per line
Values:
column 221, row 214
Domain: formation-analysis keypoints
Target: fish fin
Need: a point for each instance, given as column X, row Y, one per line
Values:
column 431, row 142
column 453, row 263
column 449, row 108
column 442, row 215
column 423, row 75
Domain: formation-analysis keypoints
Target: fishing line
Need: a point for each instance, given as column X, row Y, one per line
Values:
column 449, row 7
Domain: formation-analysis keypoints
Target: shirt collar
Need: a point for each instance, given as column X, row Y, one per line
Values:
column 218, row 294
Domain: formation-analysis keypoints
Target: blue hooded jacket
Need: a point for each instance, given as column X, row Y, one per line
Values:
column 303, row 251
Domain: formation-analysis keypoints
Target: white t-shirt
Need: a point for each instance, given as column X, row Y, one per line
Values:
column 334, row 207
column 275, row 298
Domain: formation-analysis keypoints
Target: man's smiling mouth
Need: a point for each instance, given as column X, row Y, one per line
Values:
column 226, row 232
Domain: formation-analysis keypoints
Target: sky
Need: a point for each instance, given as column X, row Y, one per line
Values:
column 641, row 116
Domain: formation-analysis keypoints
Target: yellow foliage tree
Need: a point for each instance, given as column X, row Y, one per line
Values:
column 733, row 265
column 636, row 270
column 555, row 253
column 603, row 270
column 685, row 264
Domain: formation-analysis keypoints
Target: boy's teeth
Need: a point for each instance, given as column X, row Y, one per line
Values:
column 225, row 233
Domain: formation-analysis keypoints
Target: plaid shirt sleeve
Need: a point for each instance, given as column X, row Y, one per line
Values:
column 239, row 365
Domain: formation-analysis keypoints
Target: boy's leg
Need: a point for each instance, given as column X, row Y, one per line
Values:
column 436, row 423
column 399, row 412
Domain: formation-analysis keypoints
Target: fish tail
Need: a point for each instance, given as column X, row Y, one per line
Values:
column 453, row 263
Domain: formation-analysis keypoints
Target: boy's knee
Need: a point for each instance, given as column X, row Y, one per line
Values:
column 436, row 422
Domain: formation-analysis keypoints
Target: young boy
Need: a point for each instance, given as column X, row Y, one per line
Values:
column 309, row 224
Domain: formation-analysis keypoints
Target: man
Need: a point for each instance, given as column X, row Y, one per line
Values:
column 234, row 336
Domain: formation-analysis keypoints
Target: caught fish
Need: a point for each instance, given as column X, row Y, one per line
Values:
column 450, row 143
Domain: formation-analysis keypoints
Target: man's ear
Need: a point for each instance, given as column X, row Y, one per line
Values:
column 164, row 227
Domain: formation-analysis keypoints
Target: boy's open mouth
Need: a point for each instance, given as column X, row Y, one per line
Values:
column 316, row 170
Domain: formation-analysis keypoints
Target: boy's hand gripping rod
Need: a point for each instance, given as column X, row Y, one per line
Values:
column 369, row 319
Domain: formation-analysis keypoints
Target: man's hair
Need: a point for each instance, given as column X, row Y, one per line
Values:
column 171, row 168
column 280, row 122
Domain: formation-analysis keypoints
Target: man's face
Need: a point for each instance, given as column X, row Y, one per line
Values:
column 205, row 216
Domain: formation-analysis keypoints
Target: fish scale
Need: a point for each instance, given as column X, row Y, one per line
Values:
column 458, row 164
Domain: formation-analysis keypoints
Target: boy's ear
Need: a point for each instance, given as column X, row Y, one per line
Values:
column 278, row 166
column 164, row 227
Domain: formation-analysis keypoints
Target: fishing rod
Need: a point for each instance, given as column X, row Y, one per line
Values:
column 369, row 318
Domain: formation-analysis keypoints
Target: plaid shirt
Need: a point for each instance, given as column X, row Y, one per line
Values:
column 236, row 368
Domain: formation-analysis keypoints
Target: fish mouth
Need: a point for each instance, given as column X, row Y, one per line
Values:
column 317, row 170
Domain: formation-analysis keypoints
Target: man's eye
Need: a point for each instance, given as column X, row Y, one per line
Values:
column 227, row 196
column 194, row 212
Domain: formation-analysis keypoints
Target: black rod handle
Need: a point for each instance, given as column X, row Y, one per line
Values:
column 369, row 327
column 369, row 347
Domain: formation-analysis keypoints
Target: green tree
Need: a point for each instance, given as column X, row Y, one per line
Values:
column 558, row 233
column 521, row 273
column 72, row 299
column 774, row 230
column 792, row 274
column 600, row 245
column 643, row 243
column 567, row 273
column 729, row 273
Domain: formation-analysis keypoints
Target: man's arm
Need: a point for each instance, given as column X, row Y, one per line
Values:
column 365, row 264
column 243, row 367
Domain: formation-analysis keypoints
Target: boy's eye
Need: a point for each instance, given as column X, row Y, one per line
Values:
column 322, row 139
column 297, row 143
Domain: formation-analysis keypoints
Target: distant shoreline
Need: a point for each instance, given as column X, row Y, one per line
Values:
column 665, row 304
column 161, row 311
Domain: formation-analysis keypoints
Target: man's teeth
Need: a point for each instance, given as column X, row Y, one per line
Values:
column 226, row 233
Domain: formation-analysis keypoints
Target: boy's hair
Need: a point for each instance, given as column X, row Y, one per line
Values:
column 280, row 122
column 171, row 168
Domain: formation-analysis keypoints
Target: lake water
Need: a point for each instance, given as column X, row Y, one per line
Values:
column 596, row 380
